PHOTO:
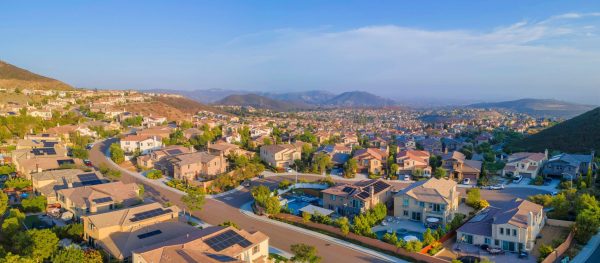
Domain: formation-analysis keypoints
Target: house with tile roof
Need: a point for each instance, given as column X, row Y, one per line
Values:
column 353, row 199
column 195, row 166
column 99, row 198
column 212, row 245
column 142, row 143
column 525, row 164
column 280, row 155
column 48, row 183
column 511, row 226
column 433, row 198
column 459, row 167
column 410, row 161
column 370, row 160
column 569, row 166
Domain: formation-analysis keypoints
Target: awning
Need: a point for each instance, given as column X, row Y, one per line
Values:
column 311, row 209
column 410, row 238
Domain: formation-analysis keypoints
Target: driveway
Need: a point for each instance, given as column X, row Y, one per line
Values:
column 224, row 208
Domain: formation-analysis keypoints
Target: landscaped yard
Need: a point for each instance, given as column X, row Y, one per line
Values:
column 551, row 235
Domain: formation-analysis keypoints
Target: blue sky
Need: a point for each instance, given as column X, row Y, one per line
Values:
column 417, row 50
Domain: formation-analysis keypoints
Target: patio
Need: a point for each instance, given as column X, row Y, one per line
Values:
column 391, row 224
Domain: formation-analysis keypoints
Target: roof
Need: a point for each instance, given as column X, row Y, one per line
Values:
column 370, row 153
column 514, row 212
column 86, row 195
column 431, row 191
column 137, row 138
column 517, row 157
column 454, row 155
column 55, row 180
column 360, row 190
column 189, row 158
column 311, row 209
column 275, row 148
column 211, row 244
column 130, row 217
column 223, row 146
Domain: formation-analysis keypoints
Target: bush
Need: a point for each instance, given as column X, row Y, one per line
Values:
column 284, row 184
column 154, row 174
column 117, row 154
column 435, row 248
column 17, row 183
column 306, row 217
column 545, row 250
column 414, row 246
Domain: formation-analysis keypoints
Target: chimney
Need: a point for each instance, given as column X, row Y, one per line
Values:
column 70, row 183
column 530, row 219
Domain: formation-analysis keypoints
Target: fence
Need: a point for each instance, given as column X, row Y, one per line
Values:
column 560, row 250
column 560, row 223
column 360, row 240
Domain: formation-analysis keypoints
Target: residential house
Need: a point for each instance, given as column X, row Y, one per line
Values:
column 513, row 226
column 153, row 159
column 212, row 245
column 119, row 232
column 353, row 199
column 525, row 164
column 49, row 182
column 339, row 153
column 428, row 201
column 432, row 145
column 196, row 166
column 98, row 198
column 411, row 161
column 569, row 166
column 280, row 155
column 29, row 161
column 458, row 167
column 370, row 160
column 143, row 144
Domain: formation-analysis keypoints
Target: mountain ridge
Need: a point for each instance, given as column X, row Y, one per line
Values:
column 539, row 107
column 12, row 76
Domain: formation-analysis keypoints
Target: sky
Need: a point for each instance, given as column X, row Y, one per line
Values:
column 405, row 50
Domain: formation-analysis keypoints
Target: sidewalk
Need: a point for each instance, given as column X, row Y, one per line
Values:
column 247, row 210
column 587, row 252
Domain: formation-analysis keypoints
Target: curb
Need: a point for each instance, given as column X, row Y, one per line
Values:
column 247, row 210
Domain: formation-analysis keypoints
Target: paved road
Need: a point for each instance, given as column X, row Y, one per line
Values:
column 218, row 210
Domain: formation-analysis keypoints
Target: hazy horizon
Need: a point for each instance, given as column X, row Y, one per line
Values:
column 457, row 51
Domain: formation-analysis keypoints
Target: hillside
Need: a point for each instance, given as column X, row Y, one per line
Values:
column 312, row 97
column 359, row 99
column 187, row 105
column 539, row 107
column 260, row 102
column 15, row 77
column 578, row 135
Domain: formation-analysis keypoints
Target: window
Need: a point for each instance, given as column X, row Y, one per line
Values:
column 332, row 197
column 255, row 250
column 405, row 213
column 514, row 232
column 405, row 202
column 436, row 207
column 501, row 231
column 487, row 241
column 422, row 204
column 496, row 242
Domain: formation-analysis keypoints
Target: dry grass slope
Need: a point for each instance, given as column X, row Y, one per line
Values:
column 15, row 77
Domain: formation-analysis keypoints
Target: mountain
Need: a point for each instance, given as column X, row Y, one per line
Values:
column 577, row 135
column 359, row 99
column 187, row 105
column 539, row 107
column 261, row 102
column 201, row 95
column 15, row 77
column 313, row 97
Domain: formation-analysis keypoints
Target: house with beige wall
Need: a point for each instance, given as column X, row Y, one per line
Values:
column 433, row 198
column 357, row 198
column 370, row 160
column 280, row 155
column 511, row 226
column 196, row 166
column 98, row 198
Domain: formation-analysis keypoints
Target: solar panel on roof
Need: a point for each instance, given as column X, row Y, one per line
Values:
column 63, row 162
column 227, row 239
column 149, row 234
column 363, row 195
column 347, row 189
column 221, row 258
column 43, row 151
column 149, row 214
column 49, row 144
column 87, row 177
column 174, row 151
column 102, row 200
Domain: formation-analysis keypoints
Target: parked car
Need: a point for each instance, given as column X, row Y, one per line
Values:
column 246, row 183
column 496, row 187
column 289, row 170
column 87, row 163
column 466, row 181
column 517, row 179
column 523, row 254
column 406, row 177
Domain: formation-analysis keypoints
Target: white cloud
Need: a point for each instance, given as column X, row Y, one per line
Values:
column 551, row 58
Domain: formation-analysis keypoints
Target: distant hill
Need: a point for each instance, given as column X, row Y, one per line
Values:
column 261, row 102
column 201, row 95
column 577, row 135
column 312, row 97
column 187, row 105
column 359, row 99
column 539, row 107
column 15, row 77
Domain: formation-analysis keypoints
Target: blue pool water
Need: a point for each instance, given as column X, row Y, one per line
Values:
column 400, row 233
column 295, row 204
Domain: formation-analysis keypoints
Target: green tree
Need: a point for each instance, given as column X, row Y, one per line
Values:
column 17, row 183
column 194, row 199
column 473, row 198
column 585, row 201
column 350, row 168
column 561, row 206
column 34, row 204
column 154, row 174
column 93, row 256
column 117, row 154
column 304, row 253
column 306, row 217
column 69, row 255
column 40, row 244
column 440, row 173
column 10, row 226
column 428, row 237
column 15, row 258
column 586, row 224
column 414, row 246
column 142, row 190
column 80, row 153
column 321, row 163
column 272, row 206
column 545, row 250
column 589, row 178
column 343, row 224
column 390, row 238
column 3, row 202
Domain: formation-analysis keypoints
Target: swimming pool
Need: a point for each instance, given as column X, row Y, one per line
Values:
column 400, row 233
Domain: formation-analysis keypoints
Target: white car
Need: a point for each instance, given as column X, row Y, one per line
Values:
column 466, row 181
column 517, row 179
column 406, row 177
column 289, row 170
column 496, row 187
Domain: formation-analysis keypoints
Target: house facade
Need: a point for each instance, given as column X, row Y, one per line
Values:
column 98, row 198
column 142, row 143
column 525, row 164
column 433, row 198
column 409, row 161
column 370, row 160
column 195, row 166
column 512, row 226
column 569, row 166
column 459, row 167
column 280, row 155
column 353, row 199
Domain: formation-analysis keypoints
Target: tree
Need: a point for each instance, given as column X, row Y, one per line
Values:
column 3, row 202
column 10, row 226
column 93, row 256
column 306, row 217
column 142, row 190
column 350, row 168
column 80, row 153
column 414, row 246
column 440, row 173
column 40, row 244
column 390, row 238
column 545, row 250
column 561, row 206
column 585, row 201
column 473, row 198
column 69, row 255
column 428, row 237
column 589, row 178
column 343, row 224
column 17, row 183
column 230, row 223
column 394, row 168
column 14, row 258
column 154, row 174
column 321, row 163
column 194, row 199
column 304, row 253
column 586, row 224
column 34, row 204
column 117, row 154
column 273, row 206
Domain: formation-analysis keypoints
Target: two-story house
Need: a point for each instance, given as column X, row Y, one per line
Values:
column 512, row 226
column 370, row 160
column 195, row 166
column 142, row 143
column 569, row 166
column 410, row 161
column 525, row 164
column 280, row 155
column 434, row 198
column 353, row 199
column 98, row 198
column 459, row 167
